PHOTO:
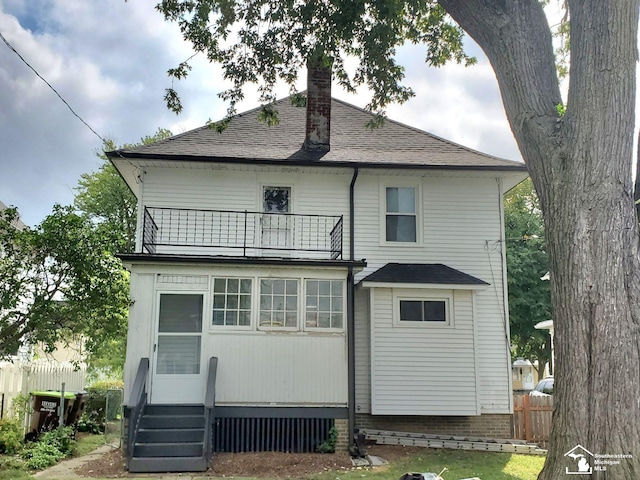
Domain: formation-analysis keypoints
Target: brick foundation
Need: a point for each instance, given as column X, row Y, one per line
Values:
column 490, row 426
column 342, row 425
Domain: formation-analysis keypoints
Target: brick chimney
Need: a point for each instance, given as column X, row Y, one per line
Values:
column 318, row 130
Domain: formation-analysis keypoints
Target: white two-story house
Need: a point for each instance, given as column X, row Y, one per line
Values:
column 341, row 276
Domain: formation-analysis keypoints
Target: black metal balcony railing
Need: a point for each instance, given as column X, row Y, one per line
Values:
column 242, row 232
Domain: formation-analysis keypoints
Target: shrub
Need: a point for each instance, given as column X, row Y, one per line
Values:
column 52, row 447
column 329, row 445
column 42, row 455
column 86, row 424
column 10, row 436
column 61, row 438
column 20, row 405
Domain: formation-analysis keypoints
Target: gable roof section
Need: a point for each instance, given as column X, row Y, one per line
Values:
column 423, row 274
column 246, row 140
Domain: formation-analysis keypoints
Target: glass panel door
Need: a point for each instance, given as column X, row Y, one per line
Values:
column 276, row 224
column 178, row 348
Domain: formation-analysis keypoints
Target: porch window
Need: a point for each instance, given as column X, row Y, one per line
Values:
column 279, row 303
column 400, row 217
column 423, row 311
column 324, row 304
column 232, row 301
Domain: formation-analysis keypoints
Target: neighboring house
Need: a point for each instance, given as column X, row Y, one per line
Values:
column 19, row 224
column 340, row 275
column 548, row 325
column 524, row 375
column 35, row 369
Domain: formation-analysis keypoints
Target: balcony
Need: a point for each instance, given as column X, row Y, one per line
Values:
column 241, row 233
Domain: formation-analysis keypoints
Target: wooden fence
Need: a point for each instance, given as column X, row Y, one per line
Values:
column 532, row 418
column 23, row 377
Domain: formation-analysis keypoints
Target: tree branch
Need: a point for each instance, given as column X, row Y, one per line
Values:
column 507, row 31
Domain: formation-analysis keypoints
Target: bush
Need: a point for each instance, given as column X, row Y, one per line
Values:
column 10, row 436
column 329, row 445
column 52, row 447
column 61, row 438
column 42, row 455
column 86, row 424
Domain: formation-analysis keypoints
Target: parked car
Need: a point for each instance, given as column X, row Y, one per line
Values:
column 543, row 388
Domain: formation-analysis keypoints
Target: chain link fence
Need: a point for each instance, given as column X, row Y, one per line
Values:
column 113, row 418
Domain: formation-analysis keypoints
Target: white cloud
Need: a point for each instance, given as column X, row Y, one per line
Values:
column 109, row 60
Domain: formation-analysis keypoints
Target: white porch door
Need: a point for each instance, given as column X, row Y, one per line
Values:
column 178, row 371
column 276, row 224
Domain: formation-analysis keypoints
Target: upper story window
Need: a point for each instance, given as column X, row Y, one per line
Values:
column 276, row 199
column 400, row 214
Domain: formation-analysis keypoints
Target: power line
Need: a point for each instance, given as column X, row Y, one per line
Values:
column 102, row 139
column 51, row 87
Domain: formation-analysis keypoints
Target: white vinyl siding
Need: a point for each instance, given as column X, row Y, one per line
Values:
column 141, row 325
column 363, row 350
column 461, row 228
column 255, row 367
column 312, row 193
column 292, row 370
column 422, row 371
column 458, row 225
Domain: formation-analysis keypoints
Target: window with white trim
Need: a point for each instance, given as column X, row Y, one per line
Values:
column 423, row 311
column 400, row 214
column 232, row 302
column 430, row 309
column 278, row 303
column 324, row 306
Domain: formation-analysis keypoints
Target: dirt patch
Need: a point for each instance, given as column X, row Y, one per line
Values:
column 276, row 464
column 261, row 465
column 111, row 464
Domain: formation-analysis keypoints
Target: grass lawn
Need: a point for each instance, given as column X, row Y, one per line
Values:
column 459, row 464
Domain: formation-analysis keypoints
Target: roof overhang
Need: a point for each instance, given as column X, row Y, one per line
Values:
column 430, row 286
column 169, row 259
column 129, row 165
column 423, row 276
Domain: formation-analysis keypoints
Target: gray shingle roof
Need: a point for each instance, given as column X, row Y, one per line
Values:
column 433, row 273
column 248, row 140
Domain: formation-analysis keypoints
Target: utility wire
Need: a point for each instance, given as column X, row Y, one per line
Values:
column 51, row 87
column 102, row 139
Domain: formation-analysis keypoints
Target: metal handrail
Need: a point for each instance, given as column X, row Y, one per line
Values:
column 134, row 408
column 251, row 232
column 209, row 405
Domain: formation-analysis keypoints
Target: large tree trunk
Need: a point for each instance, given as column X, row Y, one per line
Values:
column 581, row 166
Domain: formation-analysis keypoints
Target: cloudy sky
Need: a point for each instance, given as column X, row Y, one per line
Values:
column 108, row 60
